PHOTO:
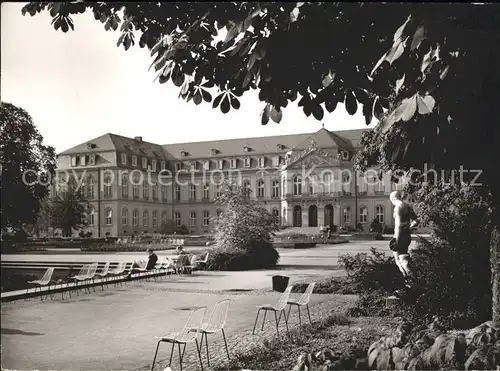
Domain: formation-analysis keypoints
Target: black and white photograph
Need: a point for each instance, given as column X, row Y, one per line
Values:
column 250, row 186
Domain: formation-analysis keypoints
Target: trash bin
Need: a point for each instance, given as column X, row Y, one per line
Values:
column 280, row 283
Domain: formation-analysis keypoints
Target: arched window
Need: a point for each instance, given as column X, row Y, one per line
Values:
column 328, row 182
column 124, row 216
column 297, row 185
column 124, row 185
column 135, row 186
column 108, row 187
column 206, row 218
column 145, row 218
column 346, row 182
column 363, row 214
column 135, row 218
column 154, row 220
column 90, row 187
column 164, row 218
column 260, row 188
column 108, row 216
column 276, row 188
column 379, row 214
column 346, row 214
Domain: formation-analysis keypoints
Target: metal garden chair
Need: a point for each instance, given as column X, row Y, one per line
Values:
column 184, row 337
column 303, row 301
column 202, row 263
column 216, row 323
column 118, row 271
column 91, row 275
column 46, row 280
column 278, row 307
column 81, row 276
column 103, row 275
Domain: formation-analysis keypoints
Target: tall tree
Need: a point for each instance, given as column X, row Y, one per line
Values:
column 68, row 209
column 27, row 167
column 428, row 72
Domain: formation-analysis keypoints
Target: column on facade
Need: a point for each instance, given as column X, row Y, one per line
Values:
column 336, row 215
column 305, row 215
column 321, row 215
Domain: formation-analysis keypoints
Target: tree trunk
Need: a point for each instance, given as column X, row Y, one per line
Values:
column 495, row 273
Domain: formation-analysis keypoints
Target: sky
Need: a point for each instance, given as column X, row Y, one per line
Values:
column 79, row 85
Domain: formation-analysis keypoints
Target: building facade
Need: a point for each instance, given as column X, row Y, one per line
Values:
column 305, row 180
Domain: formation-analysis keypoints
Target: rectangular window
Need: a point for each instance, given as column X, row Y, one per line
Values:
column 83, row 160
column 134, row 160
column 206, row 165
column 178, row 166
column 233, row 163
column 124, row 217
column 145, row 190
column 206, row 218
column 218, row 191
column 192, row 192
column 109, row 217
column 153, row 165
column 247, row 162
column 192, row 219
column 74, row 161
column 220, row 164
column 262, row 162
column 276, row 160
column 125, row 186
column 92, row 160
column 194, row 165
column 363, row 215
column 135, row 218
column 163, row 165
column 144, row 163
column 154, row 220
column 135, row 188
column 206, row 192
column 124, row 158
column 177, row 219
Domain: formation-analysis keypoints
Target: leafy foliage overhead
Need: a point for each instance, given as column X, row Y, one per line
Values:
column 22, row 152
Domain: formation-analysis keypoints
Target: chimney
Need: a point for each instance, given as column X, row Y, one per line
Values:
column 138, row 139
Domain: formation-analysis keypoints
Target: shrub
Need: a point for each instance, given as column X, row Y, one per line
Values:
column 243, row 233
column 375, row 226
column 231, row 259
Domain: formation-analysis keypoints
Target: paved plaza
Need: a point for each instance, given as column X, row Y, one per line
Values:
column 115, row 328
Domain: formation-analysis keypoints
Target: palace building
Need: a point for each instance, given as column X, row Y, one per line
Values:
column 306, row 180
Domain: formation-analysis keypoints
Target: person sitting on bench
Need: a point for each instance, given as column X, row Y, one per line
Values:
column 152, row 259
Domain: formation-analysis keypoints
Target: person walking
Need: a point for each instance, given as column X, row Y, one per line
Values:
column 404, row 220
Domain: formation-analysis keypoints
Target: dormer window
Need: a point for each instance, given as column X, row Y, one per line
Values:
column 247, row 161
column 281, row 147
column 184, row 154
column 153, row 165
column 178, row 166
column 262, row 162
column 234, row 163
column 206, row 165
column 144, row 162
column 247, row 149
column 124, row 159
column 134, row 160
column 344, row 155
column 91, row 145
column 74, row 161
column 220, row 164
column 83, row 160
column 163, row 165
column 215, row 151
column 143, row 151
